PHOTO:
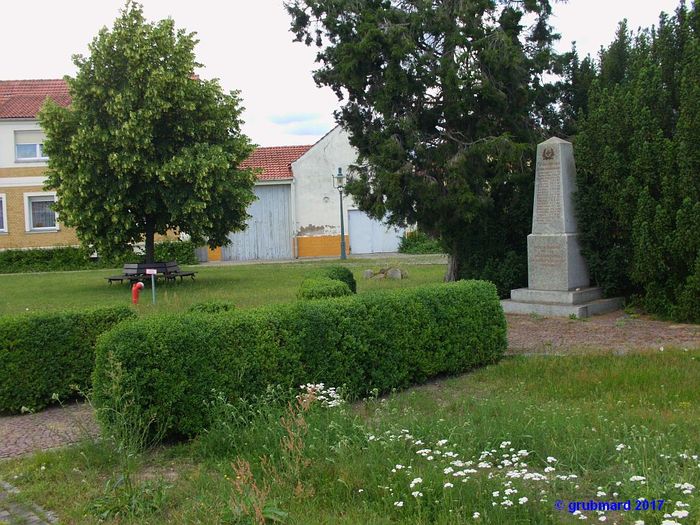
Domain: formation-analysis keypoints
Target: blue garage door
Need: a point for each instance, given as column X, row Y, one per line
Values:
column 370, row 236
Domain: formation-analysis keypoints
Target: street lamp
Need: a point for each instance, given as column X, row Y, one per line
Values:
column 339, row 183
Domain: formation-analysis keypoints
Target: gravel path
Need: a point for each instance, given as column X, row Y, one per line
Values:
column 614, row 331
column 617, row 331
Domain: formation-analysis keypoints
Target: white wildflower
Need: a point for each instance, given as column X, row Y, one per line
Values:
column 416, row 481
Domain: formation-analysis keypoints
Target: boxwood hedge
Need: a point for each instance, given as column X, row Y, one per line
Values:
column 340, row 273
column 43, row 354
column 322, row 287
column 168, row 366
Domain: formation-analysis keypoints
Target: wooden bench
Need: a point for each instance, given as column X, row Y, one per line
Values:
column 130, row 273
column 173, row 271
column 137, row 272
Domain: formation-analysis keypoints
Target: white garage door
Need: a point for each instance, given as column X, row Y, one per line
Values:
column 269, row 231
column 370, row 236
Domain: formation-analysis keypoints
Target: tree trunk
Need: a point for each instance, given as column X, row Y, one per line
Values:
column 150, row 243
column 452, row 273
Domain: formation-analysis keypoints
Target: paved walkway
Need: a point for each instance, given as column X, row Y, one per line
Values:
column 50, row 428
column 387, row 259
column 11, row 512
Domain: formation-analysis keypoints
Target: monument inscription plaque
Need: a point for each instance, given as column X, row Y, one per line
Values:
column 558, row 279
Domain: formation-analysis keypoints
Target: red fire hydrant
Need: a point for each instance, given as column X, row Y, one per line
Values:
column 135, row 290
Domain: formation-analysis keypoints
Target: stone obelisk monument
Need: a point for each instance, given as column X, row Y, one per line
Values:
column 558, row 281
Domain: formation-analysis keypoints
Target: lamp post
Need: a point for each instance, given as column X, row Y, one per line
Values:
column 339, row 183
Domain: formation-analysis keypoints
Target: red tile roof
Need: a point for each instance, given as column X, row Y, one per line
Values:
column 24, row 98
column 275, row 161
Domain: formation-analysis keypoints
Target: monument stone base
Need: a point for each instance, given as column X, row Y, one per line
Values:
column 582, row 302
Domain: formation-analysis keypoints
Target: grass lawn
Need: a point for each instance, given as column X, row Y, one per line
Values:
column 245, row 285
column 510, row 442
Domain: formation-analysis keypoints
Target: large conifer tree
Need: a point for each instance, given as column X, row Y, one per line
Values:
column 445, row 101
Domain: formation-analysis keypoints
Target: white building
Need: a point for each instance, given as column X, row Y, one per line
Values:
column 297, row 213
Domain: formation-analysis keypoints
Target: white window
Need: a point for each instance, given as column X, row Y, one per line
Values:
column 3, row 213
column 39, row 214
column 29, row 146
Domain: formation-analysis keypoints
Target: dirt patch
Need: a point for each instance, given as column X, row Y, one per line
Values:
column 615, row 331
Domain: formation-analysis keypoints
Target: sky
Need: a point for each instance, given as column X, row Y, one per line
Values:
column 248, row 46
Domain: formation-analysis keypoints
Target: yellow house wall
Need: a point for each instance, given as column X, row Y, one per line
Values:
column 17, row 236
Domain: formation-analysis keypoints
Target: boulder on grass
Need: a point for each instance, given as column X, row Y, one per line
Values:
column 394, row 273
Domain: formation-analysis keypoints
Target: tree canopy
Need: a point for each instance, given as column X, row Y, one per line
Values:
column 146, row 147
column 445, row 101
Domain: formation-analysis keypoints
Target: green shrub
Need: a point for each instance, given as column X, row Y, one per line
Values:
column 417, row 242
column 43, row 354
column 172, row 365
column 340, row 273
column 322, row 287
column 214, row 306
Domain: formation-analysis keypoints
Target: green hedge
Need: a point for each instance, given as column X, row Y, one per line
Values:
column 43, row 354
column 46, row 260
column 214, row 306
column 340, row 273
column 417, row 242
column 68, row 258
column 322, row 288
column 181, row 251
column 164, row 368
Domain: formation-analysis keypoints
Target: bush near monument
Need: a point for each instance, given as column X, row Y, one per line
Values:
column 44, row 354
column 165, row 368
column 638, row 200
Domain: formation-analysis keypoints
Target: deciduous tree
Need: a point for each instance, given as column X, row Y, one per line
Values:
column 146, row 147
